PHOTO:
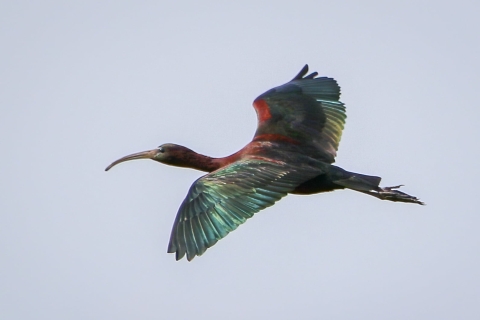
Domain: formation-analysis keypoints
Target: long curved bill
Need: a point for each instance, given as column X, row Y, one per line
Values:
column 140, row 155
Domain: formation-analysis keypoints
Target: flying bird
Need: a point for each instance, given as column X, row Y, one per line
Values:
column 299, row 128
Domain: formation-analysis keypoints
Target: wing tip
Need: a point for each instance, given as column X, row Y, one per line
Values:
column 302, row 74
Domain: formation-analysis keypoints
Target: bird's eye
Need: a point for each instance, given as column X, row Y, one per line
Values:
column 160, row 149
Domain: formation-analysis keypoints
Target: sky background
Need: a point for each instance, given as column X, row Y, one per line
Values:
column 84, row 83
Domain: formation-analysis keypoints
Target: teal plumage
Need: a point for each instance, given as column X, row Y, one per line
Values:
column 307, row 110
column 219, row 202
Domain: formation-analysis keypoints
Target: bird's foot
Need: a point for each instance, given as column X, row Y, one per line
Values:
column 389, row 193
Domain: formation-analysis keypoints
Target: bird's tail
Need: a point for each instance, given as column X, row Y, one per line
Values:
column 370, row 185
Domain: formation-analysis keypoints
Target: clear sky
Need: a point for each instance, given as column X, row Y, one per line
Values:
column 83, row 83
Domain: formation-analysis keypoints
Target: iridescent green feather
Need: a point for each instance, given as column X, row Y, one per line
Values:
column 327, row 92
column 308, row 110
column 219, row 202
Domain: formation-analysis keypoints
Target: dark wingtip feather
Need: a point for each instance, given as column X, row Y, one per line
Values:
column 171, row 247
column 178, row 256
column 301, row 73
column 311, row 75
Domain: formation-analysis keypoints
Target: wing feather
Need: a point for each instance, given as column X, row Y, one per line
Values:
column 220, row 201
column 305, row 110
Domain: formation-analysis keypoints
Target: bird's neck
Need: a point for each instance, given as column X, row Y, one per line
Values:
column 191, row 159
column 202, row 162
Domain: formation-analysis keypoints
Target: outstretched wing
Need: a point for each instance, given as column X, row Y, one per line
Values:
column 219, row 202
column 305, row 111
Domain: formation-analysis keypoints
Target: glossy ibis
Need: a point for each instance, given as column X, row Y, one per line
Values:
column 299, row 128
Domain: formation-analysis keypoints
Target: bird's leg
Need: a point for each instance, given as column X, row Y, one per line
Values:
column 389, row 193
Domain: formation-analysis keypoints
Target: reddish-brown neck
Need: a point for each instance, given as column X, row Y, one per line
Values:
column 204, row 163
column 184, row 157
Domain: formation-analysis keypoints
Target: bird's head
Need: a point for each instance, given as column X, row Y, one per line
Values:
column 168, row 153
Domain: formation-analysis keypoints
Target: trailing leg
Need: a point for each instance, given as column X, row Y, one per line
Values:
column 370, row 185
column 389, row 193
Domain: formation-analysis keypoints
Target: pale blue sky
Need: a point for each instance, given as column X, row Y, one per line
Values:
column 84, row 83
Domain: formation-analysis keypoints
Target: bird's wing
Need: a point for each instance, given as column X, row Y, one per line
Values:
column 220, row 201
column 305, row 111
